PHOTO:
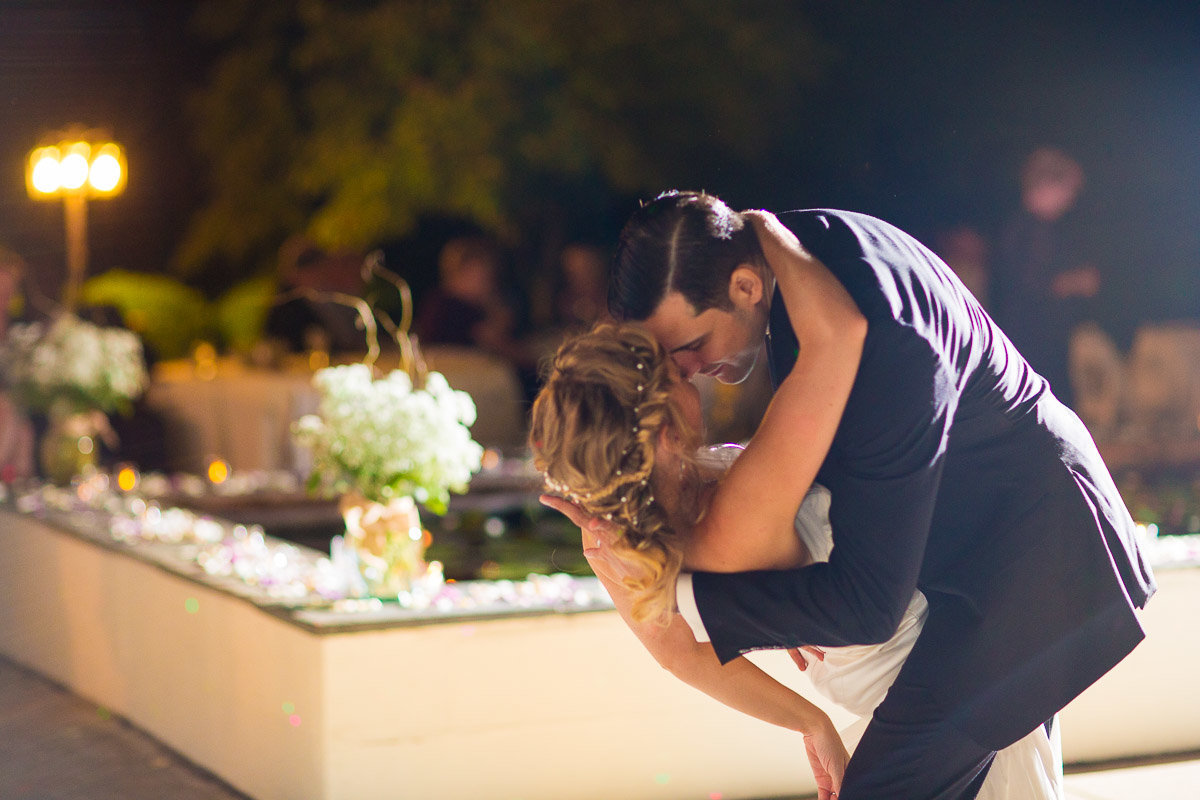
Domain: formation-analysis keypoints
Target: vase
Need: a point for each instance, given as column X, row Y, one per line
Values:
column 70, row 445
column 389, row 544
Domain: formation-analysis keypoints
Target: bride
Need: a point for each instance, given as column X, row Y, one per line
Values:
column 616, row 430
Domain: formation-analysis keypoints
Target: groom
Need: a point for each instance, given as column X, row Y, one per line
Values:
column 953, row 470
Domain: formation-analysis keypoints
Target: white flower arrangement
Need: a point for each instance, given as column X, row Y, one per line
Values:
column 385, row 440
column 73, row 365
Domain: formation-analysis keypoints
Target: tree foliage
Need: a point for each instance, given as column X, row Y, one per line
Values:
column 347, row 120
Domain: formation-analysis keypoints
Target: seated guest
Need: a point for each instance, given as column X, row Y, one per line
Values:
column 468, row 307
column 581, row 297
column 303, row 319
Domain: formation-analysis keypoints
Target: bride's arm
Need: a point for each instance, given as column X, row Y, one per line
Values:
column 740, row 684
column 748, row 524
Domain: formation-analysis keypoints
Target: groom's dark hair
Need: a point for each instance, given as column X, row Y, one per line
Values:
column 689, row 242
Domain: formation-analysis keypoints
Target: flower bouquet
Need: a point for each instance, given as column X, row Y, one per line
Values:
column 76, row 373
column 384, row 446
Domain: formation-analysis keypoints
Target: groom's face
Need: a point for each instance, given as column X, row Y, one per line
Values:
column 721, row 343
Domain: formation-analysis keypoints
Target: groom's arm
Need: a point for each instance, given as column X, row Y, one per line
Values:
column 885, row 475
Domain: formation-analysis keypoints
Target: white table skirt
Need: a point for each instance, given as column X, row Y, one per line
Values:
column 243, row 415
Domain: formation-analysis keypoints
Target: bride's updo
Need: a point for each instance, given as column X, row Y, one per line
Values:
column 596, row 423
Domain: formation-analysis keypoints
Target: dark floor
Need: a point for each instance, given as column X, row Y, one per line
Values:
column 56, row 746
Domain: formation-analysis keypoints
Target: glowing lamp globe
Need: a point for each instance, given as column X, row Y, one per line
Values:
column 75, row 168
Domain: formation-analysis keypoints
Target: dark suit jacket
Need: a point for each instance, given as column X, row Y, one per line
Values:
column 956, row 471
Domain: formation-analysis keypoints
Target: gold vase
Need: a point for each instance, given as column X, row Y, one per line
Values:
column 389, row 544
column 71, row 444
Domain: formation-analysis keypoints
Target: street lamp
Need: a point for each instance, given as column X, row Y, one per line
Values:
column 75, row 169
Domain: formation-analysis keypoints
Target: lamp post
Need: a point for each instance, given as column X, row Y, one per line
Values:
column 75, row 169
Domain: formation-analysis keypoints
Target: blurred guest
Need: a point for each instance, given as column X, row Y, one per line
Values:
column 1041, row 277
column 305, row 320
column 16, row 432
column 16, row 442
column 581, row 298
column 13, row 274
column 966, row 252
column 470, row 307
column 467, row 307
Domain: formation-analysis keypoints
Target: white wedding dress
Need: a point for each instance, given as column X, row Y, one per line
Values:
column 858, row 677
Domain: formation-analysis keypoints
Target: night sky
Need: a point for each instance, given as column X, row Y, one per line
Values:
column 923, row 117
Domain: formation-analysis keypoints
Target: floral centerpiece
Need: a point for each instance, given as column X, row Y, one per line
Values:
column 76, row 373
column 384, row 445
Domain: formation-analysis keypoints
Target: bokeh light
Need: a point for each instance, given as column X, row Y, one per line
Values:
column 105, row 173
column 218, row 471
column 46, row 174
column 74, row 170
column 127, row 479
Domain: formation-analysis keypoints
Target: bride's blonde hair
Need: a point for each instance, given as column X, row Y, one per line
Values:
column 596, row 422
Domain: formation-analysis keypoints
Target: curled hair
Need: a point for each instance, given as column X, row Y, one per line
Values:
column 596, row 422
column 687, row 242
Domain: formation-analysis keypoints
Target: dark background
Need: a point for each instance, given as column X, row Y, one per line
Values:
column 922, row 117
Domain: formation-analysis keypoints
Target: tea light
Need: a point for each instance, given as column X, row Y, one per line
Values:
column 218, row 471
column 127, row 479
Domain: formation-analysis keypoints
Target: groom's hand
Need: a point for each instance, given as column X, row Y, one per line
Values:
column 801, row 655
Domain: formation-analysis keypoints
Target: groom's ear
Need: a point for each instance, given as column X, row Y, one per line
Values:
column 745, row 286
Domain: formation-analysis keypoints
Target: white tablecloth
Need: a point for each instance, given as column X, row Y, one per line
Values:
column 243, row 414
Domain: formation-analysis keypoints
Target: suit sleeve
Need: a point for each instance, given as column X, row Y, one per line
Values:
column 883, row 472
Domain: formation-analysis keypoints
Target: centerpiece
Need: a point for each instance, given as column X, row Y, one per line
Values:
column 386, row 444
column 75, row 373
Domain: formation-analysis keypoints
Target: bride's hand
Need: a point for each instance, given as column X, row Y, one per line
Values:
column 777, row 242
column 598, row 538
column 828, row 757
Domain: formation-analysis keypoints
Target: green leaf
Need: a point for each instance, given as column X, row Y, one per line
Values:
column 349, row 121
column 166, row 313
